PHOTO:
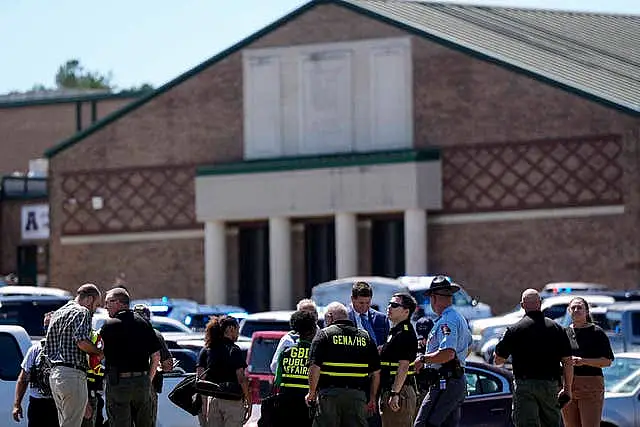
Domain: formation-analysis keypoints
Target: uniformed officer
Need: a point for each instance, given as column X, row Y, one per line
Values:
column 292, row 373
column 447, row 348
column 344, row 373
column 129, row 344
column 397, row 373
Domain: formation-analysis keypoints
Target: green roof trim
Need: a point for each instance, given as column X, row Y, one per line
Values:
column 71, row 99
column 291, row 16
column 344, row 160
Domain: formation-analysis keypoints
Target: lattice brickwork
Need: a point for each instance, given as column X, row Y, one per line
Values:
column 145, row 199
column 532, row 175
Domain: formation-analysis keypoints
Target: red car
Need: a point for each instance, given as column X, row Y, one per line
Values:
column 263, row 347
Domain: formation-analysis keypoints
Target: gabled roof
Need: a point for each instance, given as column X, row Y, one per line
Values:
column 596, row 56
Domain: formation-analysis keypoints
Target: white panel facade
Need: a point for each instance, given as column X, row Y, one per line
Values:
column 328, row 98
column 390, row 98
column 326, row 103
column 262, row 114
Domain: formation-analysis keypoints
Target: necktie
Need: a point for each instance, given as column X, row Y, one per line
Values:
column 367, row 327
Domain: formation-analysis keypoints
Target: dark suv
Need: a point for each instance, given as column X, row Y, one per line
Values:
column 28, row 311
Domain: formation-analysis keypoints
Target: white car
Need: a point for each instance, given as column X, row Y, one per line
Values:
column 265, row 321
column 33, row 290
column 468, row 307
column 161, row 323
column 483, row 330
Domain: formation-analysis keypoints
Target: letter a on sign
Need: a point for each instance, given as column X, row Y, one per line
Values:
column 35, row 221
column 32, row 224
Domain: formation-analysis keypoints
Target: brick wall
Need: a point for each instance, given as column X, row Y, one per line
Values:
column 457, row 100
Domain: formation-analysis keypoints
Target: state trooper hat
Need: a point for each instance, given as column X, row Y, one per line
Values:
column 442, row 285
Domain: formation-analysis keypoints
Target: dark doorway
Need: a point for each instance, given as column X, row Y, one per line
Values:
column 387, row 247
column 253, row 243
column 27, row 265
column 320, row 253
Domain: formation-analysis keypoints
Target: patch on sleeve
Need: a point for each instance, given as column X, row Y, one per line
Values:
column 445, row 329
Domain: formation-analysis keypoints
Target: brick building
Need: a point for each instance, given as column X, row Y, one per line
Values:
column 30, row 124
column 365, row 137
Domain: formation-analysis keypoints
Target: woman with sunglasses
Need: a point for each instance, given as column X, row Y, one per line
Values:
column 398, row 398
column 591, row 351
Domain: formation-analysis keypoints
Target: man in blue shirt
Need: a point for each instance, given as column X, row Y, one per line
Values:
column 447, row 348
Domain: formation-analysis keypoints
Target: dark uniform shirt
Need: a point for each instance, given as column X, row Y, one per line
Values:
column 346, row 356
column 222, row 360
column 401, row 344
column 129, row 341
column 537, row 345
column 589, row 342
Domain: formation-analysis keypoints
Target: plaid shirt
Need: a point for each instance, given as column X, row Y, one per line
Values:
column 69, row 324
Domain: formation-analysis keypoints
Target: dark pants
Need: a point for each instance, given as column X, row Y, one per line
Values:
column 129, row 401
column 93, row 401
column 290, row 409
column 441, row 408
column 535, row 403
column 42, row 413
column 341, row 407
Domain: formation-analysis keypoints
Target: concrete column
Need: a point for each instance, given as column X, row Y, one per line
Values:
column 346, row 244
column 215, row 262
column 280, row 290
column 415, row 242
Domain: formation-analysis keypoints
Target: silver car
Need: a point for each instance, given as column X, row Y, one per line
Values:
column 622, row 392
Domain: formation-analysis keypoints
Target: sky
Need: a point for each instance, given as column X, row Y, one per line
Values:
column 154, row 41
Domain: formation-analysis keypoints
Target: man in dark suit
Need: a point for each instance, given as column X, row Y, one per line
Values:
column 372, row 321
column 365, row 317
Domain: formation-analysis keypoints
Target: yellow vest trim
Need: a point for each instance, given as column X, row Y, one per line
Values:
column 302, row 377
column 346, row 365
column 294, row 385
column 343, row 374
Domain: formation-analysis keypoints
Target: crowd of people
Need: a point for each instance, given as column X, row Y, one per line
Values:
column 355, row 367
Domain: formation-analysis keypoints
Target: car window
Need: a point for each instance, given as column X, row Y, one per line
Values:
column 28, row 313
column 10, row 357
column 555, row 311
column 185, row 359
column 620, row 368
column 248, row 327
column 635, row 323
column 479, row 383
column 262, row 350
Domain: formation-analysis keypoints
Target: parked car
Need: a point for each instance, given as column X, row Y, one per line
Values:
column 571, row 287
column 265, row 321
column 554, row 307
column 263, row 347
column 162, row 324
column 28, row 311
column 622, row 392
column 15, row 290
column 164, row 306
column 198, row 317
column 469, row 307
column 340, row 290
column 14, row 342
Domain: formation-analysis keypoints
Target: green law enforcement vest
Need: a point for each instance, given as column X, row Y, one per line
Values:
column 95, row 373
column 294, row 366
column 347, row 363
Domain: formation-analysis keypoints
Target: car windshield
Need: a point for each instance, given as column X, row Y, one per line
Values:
column 29, row 314
column 262, row 350
column 248, row 326
column 626, row 385
column 620, row 369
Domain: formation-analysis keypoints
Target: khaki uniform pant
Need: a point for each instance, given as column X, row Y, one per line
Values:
column 585, row 407
column 69, row 390
column 224, row 413
column 405, row 416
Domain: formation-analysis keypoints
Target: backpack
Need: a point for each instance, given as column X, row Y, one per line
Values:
column 39, row 374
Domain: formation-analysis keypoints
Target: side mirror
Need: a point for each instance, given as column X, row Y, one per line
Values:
column 474, row 302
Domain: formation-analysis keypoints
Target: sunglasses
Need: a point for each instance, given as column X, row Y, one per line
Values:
column 394, row 305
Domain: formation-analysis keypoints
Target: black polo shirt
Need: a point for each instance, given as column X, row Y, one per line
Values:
column 402, row 344
column 537, row 345
column 222, row 360
column 129, row 341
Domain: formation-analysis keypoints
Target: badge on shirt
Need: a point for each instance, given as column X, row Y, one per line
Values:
column 445, row 329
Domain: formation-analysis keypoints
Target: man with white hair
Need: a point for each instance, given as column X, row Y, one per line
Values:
column 291, row 338
column 344, row 372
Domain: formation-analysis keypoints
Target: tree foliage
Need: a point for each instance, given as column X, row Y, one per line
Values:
column 72, row 75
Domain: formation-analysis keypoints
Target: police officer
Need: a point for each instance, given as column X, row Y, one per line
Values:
column 342, row 358
column 129, row 343
column 292, row 373
column 397, row 381
column 447, row 347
